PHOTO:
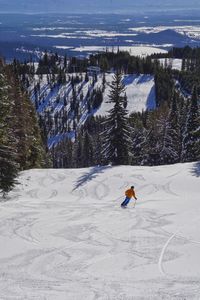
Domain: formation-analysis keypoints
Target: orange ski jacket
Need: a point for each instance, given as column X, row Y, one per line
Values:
column 130, row 193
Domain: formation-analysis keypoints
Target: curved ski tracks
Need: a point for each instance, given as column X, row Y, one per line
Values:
column 88, row 247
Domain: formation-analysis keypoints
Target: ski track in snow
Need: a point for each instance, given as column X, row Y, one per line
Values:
column 66, row 237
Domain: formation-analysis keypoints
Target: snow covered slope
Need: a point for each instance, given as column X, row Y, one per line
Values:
column 63, row 235
column 140, row 91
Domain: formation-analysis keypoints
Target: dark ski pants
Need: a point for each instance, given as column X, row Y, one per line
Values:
column 126, row 201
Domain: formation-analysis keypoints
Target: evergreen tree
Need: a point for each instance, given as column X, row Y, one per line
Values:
column 78, row 151
column 151, row 146
column 168, row 138
column 192, row 131
column 116, row 135
column 88, row 151
column 8, row 165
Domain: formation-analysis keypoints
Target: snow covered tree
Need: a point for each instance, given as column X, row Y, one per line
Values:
column 190, row 147
column 169, row 128
column 25, row 126
column 116, row 136
column 8, row 165
column 168, row 152
column 151, row 146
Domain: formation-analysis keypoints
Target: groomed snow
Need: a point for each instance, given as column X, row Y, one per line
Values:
column 63, row 235
column 140, row 91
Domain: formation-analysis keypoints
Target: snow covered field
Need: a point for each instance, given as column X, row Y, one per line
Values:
column 63, row 235
column 174, row 63
column 134, row 50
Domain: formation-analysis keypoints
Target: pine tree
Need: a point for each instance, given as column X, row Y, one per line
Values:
column 88, row 151
column 192, row 131
column 170, row 134
column 8, row 165
column 78, row 151
column 168, row 137
column 116, row 135
column 151, row 146
column 138, row 134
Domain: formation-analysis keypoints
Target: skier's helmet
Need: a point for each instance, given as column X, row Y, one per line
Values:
column 132, row 187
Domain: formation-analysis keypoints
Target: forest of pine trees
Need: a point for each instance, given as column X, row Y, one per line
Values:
column 21, row 146
column 169, row 134
column 154, row 137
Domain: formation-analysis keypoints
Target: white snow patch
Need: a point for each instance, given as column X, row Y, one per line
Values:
column 104, row 33
column 63, row 47
column 174, row 63
column 133, row 50
column 68, row 35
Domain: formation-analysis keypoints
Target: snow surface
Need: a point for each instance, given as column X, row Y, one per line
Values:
column 63, row 235
column 174, row 63
column 140, row 91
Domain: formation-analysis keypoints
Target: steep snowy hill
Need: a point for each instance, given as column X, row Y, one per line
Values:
column 63, row 235
column 56, row 102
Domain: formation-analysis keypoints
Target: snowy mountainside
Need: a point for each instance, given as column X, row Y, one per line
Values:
column 140, row 91
column 56, row 102
column 65, row 236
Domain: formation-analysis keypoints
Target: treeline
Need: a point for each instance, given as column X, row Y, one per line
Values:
column 52, row 63
column 155, row 137
column 21, row 147
column 168, row 135
column 58, row 72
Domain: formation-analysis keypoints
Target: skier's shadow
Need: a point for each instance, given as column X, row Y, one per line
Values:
column 196, row 169
column 89, row 176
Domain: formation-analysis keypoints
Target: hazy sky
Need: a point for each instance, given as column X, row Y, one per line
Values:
column 89, row 6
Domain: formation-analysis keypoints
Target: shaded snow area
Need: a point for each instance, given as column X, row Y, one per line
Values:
column 63, row 235
column 140, row 91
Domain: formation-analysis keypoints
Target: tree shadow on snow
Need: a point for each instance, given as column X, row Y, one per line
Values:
column 151, row 104
column 89, row 176
column 144, row 78
column 196, row 169
column 129, row 79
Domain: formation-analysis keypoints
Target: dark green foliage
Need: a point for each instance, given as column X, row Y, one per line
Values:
column 155, row 137
column 20, row 141
column 116, row 135
column 164, row 86
column 8, row 161
column 190, row 151
column 8, row 169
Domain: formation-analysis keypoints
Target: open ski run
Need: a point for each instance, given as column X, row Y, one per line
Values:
column 63, row 235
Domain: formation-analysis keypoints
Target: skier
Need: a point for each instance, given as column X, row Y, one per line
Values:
column 129, row 194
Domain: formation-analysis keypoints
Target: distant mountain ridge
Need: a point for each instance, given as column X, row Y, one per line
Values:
column 89, row 6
